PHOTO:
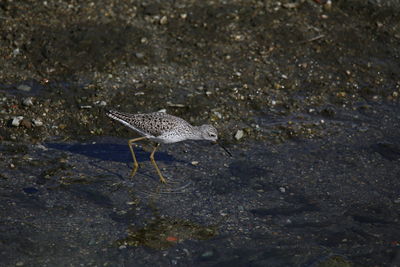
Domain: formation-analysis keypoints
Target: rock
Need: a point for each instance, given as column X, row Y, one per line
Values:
column 139, row 55
column 24, row 87
column 16, row 52
column 27, row 102
column 101, row 103
column 16, row 121
column 86, row 107
column 26, row 123
column 194, row 163
column 239, row 134
column 164, row 20
column 207, row 254
column 328, row 5
column 37, row 122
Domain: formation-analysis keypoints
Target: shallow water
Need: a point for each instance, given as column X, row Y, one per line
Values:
column 312, row 182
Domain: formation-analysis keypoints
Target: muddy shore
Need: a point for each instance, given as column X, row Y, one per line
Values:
column 305, row 94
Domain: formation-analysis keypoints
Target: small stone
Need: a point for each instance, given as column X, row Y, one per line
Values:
column 139, row 55
column 16, row 121
column 86, row 107
column 27, row 102
column 16, row 52
column 328, row 5
column 19, row 263
column 194, row 163
column 42, row 147
column 24, row 87
column 37, row 122
column 239, row 134
column 101, row 103
column 144, row 40
column 26, row 123
column 207, row 254
column 282, row 189
column 219, row 115
column 341, row 94
column 164, row 20
column 238, row 37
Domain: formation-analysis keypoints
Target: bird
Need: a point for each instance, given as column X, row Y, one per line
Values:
column 161, row 128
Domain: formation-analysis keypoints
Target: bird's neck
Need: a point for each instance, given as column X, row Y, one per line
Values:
column 196, row 133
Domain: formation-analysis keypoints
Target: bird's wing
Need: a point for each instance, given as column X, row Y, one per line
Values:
column 150, row 124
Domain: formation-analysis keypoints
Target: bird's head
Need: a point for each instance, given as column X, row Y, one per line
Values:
column 208, row 132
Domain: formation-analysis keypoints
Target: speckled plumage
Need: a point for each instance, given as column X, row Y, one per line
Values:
column 161, row 128
column 164, row 128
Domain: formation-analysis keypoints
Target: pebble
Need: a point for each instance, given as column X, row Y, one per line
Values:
column 207, row 254
column 20, row 263
column 328, row 5
column 42, row 147
column 16, row 52
column 219, row 115
column 24, row 87
column 37, row 122
column 144, row 40
column 101, row 103
column 164, row 20
column 86, row 107
column 139, row 55
column 282, row 189
column 16, row 121
column 239, row 134
column 175, row 105
column 27, row 102
column 26, row 123
column 195, row 163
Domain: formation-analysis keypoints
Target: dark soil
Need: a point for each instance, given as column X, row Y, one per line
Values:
column 313, row 87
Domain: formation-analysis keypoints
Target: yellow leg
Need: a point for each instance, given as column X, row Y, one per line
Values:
column 135, row 163
column 162, row 179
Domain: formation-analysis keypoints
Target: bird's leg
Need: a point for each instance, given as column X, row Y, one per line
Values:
column 162, row 179
column 135, row 163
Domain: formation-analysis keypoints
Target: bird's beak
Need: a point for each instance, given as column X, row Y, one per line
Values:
column 224, row 148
